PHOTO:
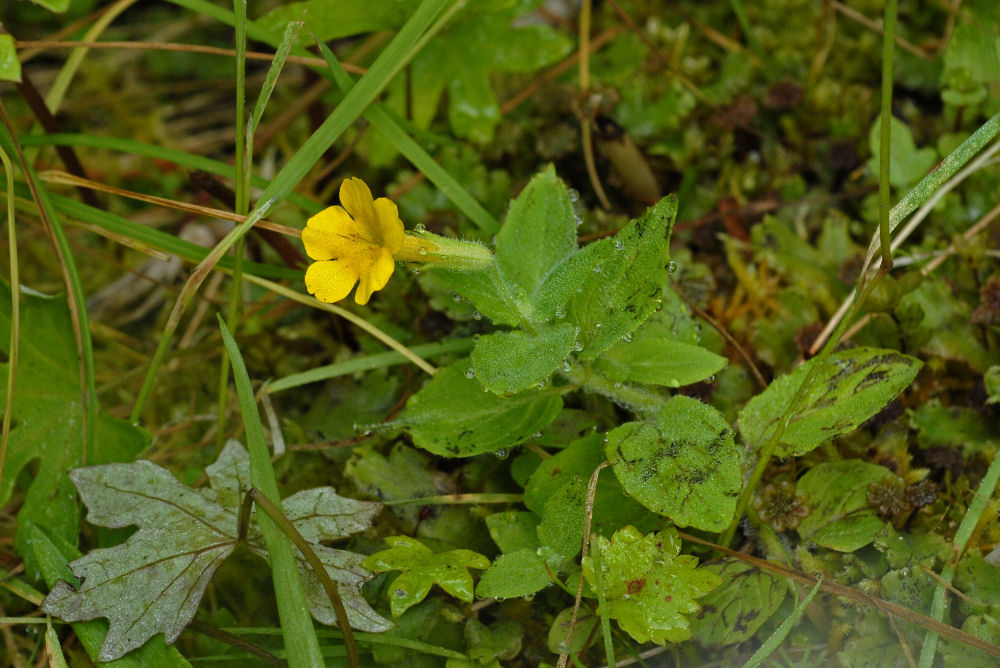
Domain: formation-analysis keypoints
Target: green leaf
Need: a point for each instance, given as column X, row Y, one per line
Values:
column 48, row 419
column 561, row 529
column 538, row 234
column 508, row 362
column 659, row 362
column 836, row 494
column 53, row 562
column 685, row 465
column 10, row 66
column 735, row 611
column 586, row 622
column 332, row 19
column 482, row 43
column 852, row 386
column 513, row 530
column 404, row 474
column 153, row 582
column 421, row 569
column 648, row 584
column 624, row 290
column 612, row 508
column 53, row 5
column 512, row 575
column 486, row 291
column 453, row 416
column 907, row 163
column 499, row 640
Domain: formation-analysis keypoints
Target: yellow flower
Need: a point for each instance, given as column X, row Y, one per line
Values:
column 355, row 243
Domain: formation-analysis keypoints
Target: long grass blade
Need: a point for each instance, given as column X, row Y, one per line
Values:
column 15, row 313
column 293, row 610
column 775, row 639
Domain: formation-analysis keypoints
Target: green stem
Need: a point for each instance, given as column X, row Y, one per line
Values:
column 639, row 400
column 885, row 147
column 15, row 312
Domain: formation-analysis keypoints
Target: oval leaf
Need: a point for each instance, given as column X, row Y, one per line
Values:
column 659, row 362
column 508, row 362
column 852, row 386
column 685, row 466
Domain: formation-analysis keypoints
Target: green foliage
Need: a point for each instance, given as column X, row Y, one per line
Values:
column 454, row 416
column 508, row 362
column 624, row 290
column 836, row 494
column 739, row 606
column 659, row 362
column 329, row 19
column 422, row 569
column 48, row 419
column 908, row 164
column 852, row 386
column 684, row 465
column 10, row 66
column 649, row 586
column 152, row 583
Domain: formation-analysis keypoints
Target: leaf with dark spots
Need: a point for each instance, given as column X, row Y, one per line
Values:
column 851, row 386
column 679, row 466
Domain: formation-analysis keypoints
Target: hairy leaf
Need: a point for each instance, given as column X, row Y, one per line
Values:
column 648, row 584
column 518, row 573
column 421, row 569
column 684, row 466
column 454, row 416
column 621, row 292
column 852, row 386
column 659, row 362
column 508, row 362
column 153, row 582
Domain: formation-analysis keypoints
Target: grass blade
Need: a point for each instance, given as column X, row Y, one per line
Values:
column 780, row 633
column 293, row 610
column 15, row 311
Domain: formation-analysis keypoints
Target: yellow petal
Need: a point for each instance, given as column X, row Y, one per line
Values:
column 387, row 215
column 332, row 233
column 331, row 280
column 357, row 199
column 375, row 276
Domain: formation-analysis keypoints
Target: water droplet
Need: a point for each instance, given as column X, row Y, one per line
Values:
column 564, row 366
column 578, row 220
column 477, row 315
column 419, row 227
column 457, row 298
column 537, row 435
column 502, row 453
column 710, row 379
column 672, row 267
column 627, row 338
column 577, row 346
column 543, row 383
column 415, row 270
column 573, row 195
column 599, row 325
column 470, row 373
column 618, row 386
column 597, row 269
column 619, row 244
column 560, row 312
column 422, row 251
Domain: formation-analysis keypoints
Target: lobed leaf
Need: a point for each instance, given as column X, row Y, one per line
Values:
column 154, row 581
column 648, row 584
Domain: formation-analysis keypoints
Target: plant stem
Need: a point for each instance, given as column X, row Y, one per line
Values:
column 885, row 147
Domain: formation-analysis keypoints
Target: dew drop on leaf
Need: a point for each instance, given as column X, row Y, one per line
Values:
column 420, row 227
column 619, row 244
column 470, row 373
column 477, row 315
column 672, row 267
